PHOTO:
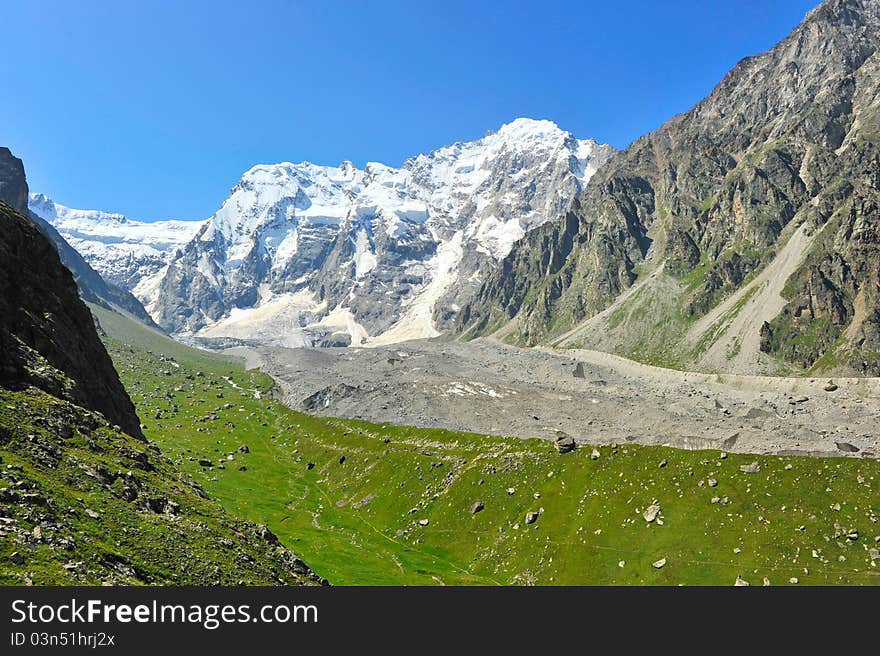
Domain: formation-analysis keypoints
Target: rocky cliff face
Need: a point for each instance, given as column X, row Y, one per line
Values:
column 13, row 188
column 788, row 137
column 303, row 253
column 47, row 335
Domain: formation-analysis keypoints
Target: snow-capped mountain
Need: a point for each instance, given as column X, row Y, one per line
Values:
column 301, row 253
column 127, row 253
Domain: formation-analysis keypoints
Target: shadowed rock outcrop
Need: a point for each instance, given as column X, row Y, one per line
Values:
column 47, row 334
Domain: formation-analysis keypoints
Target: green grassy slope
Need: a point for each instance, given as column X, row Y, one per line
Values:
column 397, row 510
column 83, row 503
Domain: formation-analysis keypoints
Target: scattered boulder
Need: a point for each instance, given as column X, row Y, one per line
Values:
column 663, row 463
column 341, row 459
column 16, row 558
column 830, row 386
column 531, row 517
column 753, row 468
column 847, row 447
column 564, row 442
column 310, row 465
column 659, row 564
column 204, row 462
column 594, row 455
column 423, row 522
column 267, row 535
column 476, row 507
column 651, row 512
column 757, row 413
column 244, row 449
column 579, row 370
column 741, row 582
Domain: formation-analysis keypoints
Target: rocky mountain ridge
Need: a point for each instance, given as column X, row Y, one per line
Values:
column 785, row 145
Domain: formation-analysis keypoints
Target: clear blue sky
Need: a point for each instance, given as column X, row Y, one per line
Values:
column 154, row 109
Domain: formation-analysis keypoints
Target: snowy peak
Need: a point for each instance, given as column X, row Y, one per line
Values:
column 276, row 193
column 42, row 206
column 436, row 187
column 525, row 133
column 377, row 253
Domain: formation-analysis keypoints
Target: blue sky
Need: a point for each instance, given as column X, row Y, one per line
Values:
column 154, row 109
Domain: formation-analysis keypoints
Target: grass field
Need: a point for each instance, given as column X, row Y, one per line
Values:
column 379, row 504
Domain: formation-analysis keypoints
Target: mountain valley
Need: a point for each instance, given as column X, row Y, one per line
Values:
column 524, row 359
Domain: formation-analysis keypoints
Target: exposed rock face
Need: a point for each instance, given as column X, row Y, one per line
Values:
column 373, row 251
column 13, row 188
column 788, row 136
column 47, row 335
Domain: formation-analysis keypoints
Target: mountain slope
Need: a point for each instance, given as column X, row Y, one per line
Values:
column 787, row 141
column 84, row 498
column 47, row 336
column 311, row 253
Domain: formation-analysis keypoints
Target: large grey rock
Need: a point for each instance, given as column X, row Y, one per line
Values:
column 651, row 512
column 564, row 442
